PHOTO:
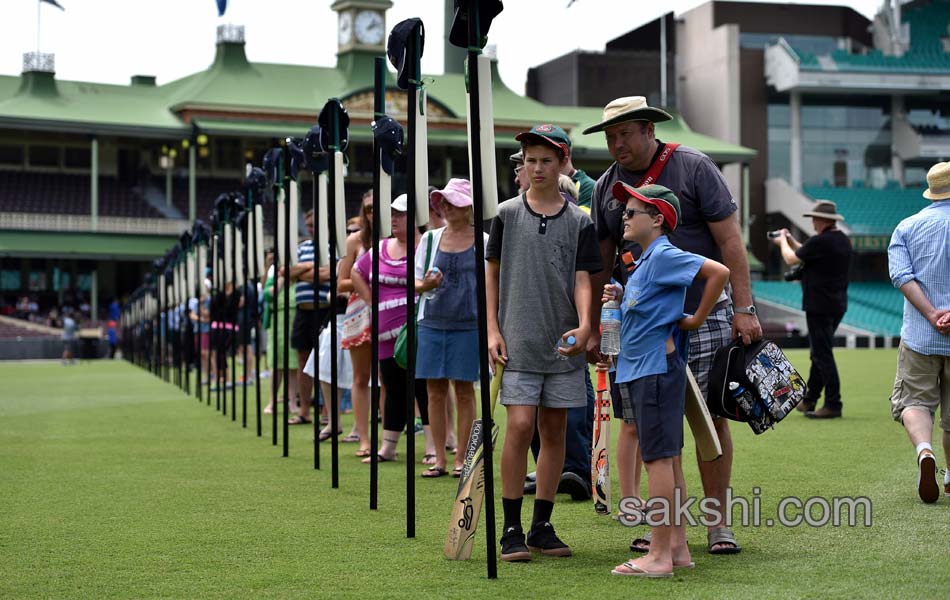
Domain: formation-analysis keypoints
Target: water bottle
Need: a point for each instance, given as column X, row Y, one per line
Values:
column 610, row 328
column 565, row 345
column 434, row 291
column 744, row 399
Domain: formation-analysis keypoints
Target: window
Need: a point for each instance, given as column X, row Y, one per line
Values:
column 11, row 155
column 228, row 153
column 77, row 158
column 44, row 156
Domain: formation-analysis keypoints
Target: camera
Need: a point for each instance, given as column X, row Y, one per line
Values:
column 774, row 234
column 795, row 273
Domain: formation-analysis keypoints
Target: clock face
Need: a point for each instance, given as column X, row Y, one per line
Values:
column 370, row 28
column 346, row 27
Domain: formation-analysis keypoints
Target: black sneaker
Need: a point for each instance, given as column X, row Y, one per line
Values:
column 542, row 539
column 513, row 548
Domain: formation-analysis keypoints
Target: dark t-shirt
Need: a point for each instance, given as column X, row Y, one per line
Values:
column 827, row 258
column 703, row 196
column 539, row 257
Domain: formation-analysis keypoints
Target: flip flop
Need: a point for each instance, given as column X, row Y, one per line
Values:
column 325, row 435
column 379, row 458
column 428, row 459
column 362, row 453
column 634, row 570
column 451, row 449
column 457, row 472
column 641, row 544
column 720, row 536
column 433, row 472
column 298, row 420
column 350, row 438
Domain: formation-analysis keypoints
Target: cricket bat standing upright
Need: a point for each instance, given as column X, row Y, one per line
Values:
column 600, row 448
column 471, row 491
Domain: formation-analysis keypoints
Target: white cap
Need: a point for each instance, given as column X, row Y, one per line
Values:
column 401, row 203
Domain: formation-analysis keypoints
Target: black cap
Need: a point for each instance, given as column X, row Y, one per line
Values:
column 297, row 157
column 256, row 184
column 271, row 160
column 324, row 121
column 316, row 154
column 388, row 134
column 487, row 11
column 397, row 45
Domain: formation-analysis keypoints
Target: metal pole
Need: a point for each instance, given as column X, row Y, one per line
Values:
column 286, row 183
column 412, row 93
column 379, row 101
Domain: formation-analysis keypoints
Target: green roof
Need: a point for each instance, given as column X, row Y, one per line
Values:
column 103, row 246
column 237, row 97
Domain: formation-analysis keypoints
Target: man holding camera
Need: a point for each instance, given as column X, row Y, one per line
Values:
column 823, row 262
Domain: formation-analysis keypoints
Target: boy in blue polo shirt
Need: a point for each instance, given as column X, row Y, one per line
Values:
column 651, row 366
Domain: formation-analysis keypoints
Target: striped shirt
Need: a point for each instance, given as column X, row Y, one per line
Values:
column 920, row 251
column 392, row 295
column 303, row 293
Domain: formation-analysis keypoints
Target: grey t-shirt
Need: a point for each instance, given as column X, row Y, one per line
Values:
column 703, row 196
column 69, row 329
column 539, row 256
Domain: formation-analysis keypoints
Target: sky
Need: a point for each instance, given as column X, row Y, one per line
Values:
column 108, row 41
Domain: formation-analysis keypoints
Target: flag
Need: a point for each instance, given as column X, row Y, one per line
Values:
column 222, row 6
column 54, row 3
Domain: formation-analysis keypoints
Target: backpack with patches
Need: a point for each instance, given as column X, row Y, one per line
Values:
column 754, row 384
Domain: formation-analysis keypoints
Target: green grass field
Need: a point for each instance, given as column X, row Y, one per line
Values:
column 115, row 484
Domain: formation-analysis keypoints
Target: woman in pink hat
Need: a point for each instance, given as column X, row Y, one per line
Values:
column 447, row 349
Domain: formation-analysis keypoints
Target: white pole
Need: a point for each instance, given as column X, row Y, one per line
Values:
column 38, row 4
column 663, row 61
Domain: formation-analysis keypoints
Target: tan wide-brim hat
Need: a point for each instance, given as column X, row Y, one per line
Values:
column 825, row 209
column 629, row 108
column 938, row 182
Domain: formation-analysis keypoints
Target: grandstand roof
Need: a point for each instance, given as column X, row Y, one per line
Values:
column 237, row 97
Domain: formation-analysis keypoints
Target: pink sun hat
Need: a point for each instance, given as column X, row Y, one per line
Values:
column 457, row 192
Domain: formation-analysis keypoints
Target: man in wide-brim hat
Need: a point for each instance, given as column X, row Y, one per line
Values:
column 918, row 259
column 708, row 227
column 825, row 259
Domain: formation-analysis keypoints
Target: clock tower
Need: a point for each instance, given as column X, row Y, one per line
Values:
column 361, row 27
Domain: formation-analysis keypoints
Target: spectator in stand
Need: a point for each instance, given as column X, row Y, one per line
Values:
column 69, row 337
column 392, row 316
column 447, row 348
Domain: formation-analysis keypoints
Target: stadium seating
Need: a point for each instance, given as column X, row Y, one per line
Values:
column 68, row 194
column 12, row 331
column 874, row 306
column 869, row 211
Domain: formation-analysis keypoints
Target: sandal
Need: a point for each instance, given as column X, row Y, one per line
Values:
column 641, row 544
column 380, row 458
column 428, row 459
column 351, row 438
column 325, row 435
column 362, row 453
column 725, row 539
column 433, row 472
column 632, row 569
column 451, row 449
column 298, row 420
column 457, row 472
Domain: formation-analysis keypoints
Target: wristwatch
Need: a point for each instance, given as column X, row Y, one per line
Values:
column 745, row 310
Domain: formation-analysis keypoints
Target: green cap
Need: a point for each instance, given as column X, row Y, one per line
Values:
column 661, row 197
column 549, row 134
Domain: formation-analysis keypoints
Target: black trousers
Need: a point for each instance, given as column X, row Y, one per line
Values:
column 394, row 378
column 824, row 371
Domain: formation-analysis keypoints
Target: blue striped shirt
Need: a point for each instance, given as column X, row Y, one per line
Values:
column 920, row 251
column 304, row 290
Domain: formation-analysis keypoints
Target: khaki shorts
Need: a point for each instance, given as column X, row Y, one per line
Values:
column 922, row 382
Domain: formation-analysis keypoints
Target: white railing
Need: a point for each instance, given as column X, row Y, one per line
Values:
column 83, row 223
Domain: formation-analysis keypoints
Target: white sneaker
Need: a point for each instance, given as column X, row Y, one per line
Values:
column 946, row 483
column 927, row 487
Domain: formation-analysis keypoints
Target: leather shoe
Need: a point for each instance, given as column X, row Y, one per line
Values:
column 824, row 413
column 805, row 406
column 575, row 485
column 530, row 487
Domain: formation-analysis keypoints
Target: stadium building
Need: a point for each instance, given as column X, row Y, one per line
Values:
column 96, row 180
column 836, row 107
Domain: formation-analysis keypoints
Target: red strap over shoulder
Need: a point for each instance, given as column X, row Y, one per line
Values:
column 653, row 173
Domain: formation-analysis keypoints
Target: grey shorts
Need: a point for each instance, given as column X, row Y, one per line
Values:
column 550, row 390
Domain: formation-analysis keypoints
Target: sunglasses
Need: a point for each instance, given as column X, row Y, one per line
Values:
column 630, row 213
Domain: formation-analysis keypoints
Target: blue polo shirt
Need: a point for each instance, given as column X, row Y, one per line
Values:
column 652, row 305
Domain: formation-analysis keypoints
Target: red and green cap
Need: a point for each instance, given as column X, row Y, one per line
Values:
column 662, row 198
column 548, row 134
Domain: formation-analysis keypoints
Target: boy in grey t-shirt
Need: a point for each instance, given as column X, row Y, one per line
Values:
column 541, row 253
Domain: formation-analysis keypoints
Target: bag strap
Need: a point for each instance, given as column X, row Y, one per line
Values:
column 431, row 237
column 653, row 173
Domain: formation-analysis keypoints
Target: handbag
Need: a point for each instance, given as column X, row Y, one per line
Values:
column 754, row 384
column 400, row 350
